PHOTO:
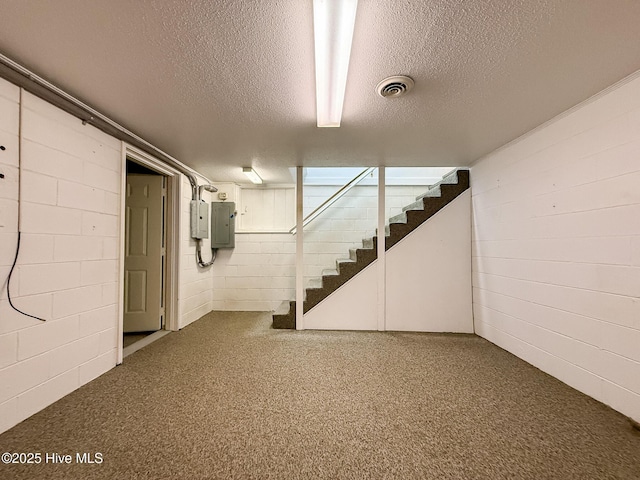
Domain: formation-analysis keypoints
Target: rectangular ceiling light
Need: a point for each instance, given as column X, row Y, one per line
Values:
column 333, row 22
column 252, row 175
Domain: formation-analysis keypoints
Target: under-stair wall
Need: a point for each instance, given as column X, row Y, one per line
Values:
column 428, row 274
column 427, row 282
column 430, row 281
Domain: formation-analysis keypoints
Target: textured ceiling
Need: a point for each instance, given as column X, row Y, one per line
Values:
column 225, row 84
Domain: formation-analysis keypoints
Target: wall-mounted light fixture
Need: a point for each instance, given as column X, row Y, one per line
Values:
column 333, row 23
column 252, row 175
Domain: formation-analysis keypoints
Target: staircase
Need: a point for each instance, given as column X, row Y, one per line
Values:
column 426, row 205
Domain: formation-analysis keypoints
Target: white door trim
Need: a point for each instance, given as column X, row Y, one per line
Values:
column 172, row 227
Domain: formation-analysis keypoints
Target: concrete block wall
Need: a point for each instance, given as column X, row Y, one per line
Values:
column 195, row 295
column 556, row 247
column 67, row 271
column 270, row 209
column 257, row 275
column 342, row 226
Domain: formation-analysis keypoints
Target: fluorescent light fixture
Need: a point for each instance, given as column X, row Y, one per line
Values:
column 252, row 175
column 333, row 22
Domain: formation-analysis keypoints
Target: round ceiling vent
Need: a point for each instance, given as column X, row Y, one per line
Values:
column 394, row 86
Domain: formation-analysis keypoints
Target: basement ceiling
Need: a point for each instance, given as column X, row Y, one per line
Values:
column 225, row 84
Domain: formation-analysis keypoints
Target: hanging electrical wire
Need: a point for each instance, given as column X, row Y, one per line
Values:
column 15, row 258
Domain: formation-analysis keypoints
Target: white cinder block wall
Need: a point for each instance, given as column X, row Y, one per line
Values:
column 257, row 275
column 556, row 247
column 68, row 270
column 68, row 267
column 342, row 226
column 195, row 295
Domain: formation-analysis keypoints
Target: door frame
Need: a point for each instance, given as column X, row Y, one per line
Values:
column 172, row 235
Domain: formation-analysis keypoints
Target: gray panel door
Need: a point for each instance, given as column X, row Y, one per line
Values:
column 143, row 253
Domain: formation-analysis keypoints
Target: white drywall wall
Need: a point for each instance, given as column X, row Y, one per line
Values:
column 428, row 274
column 556, row 247
column 353, row 306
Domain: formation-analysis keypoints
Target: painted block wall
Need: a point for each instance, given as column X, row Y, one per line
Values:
column 556, row 247
column 342, row 226
column 67, row 272
column 196, row 284
column 257, row 275
column 269, row 209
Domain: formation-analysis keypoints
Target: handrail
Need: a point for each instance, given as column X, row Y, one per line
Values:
column 334, row 198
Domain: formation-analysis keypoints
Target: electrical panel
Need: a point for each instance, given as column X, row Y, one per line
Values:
column 199, row 219
column 223, row 224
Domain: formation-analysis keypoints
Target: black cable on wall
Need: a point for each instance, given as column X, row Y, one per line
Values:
column 15, row 258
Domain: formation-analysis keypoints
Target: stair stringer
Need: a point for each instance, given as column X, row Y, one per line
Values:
column 353, row 306
column 428, row 274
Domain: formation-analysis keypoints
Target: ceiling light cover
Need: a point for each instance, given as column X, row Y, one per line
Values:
column 394, row 86
column 333, row 22
column 252, row 175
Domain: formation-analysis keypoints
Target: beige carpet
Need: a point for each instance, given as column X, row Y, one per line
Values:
column 228, row 397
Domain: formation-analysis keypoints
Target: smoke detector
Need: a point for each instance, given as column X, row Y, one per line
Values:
column 394, row 86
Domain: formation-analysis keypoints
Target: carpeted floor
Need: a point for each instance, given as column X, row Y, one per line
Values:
column 228, row 397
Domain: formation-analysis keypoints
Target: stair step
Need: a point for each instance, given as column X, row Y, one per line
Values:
column 353, row 254
column 432, row 192
column 315, row 282
column 345, row 262
column 311, row 292
column 368, row 243
column 400, row 218
column 450, row 178
column 419, row 205
column 329, row 272
column 286, row 320
column 283, row 309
